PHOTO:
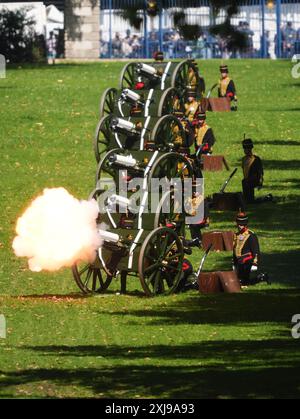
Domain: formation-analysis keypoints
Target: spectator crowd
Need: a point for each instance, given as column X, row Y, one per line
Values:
column 132, row 45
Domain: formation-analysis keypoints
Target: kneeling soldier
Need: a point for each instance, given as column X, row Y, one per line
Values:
column 246, row 253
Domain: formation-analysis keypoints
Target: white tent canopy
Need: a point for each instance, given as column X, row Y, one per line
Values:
column 54, row 15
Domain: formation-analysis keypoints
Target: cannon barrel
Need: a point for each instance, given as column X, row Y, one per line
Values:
column 109, row 237
column 119, row 124
column 118, row 200
column 124, row 161
column 129, row 95
column 148, row 70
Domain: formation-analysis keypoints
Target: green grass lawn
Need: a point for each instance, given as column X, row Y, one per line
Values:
column 61, row 344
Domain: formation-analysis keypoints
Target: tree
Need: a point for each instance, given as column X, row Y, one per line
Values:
column 232, row 37
column 18, row 39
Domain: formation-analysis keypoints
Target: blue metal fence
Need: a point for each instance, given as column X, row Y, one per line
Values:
column 272, row 28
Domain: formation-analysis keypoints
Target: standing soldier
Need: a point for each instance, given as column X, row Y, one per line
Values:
column 204, row 135
column 227, row 87
column 246, row 253
column 253, row 172
column 253, row 175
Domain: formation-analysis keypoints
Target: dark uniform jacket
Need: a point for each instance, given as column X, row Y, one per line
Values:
column 227, row 88
column 204, row 136
column 253, row 170
column 246, row 248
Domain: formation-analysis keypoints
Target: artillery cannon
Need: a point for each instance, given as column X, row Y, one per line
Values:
column 141, row 136
column 146, row 247
column 142, row 103
column 167, row 133
column 162, row 75
column 156, row 257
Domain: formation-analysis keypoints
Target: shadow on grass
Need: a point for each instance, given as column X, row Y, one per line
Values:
column 281, row 164
column 229, row 369
column 255, row 306
column 278, row 142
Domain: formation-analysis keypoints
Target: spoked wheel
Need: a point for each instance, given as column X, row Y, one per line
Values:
column 103, row 137
column 169, row 211
column 160, row 262
column 170, row 102
column 107, row 102
column 186, row 75
column 168, row 133
column 171, row 166
column 105, row 168
column 128, row 77
column 91, row 279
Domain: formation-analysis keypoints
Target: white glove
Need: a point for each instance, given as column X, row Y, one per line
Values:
column 254, row 268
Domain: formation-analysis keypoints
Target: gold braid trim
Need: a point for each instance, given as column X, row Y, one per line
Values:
column 200, row 134
column 247, row 164
column 224, row 83
column 239, row 244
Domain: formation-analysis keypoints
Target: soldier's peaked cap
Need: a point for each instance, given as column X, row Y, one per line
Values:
column 242, row 219
column 158, row 56
column 201, row 115
column 190, row 92
column 248, row 143
column 224, row 69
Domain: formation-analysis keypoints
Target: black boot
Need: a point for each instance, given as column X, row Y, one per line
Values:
column 264, row 278
column 194, row 243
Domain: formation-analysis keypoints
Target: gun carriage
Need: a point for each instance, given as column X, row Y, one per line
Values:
column 140, row 135
column 162, row 75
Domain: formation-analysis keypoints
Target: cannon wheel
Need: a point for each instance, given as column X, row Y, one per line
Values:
column 180, row 77
column 107, row 102
column 128, row 76
column 160, row 262
column 171, row 166
column 91, row 280
column 161, row 218
column 102, row 137
column 167, row 130
column 103, row 165
column 169, row 102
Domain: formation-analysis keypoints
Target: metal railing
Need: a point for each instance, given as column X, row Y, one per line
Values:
column 272, row 28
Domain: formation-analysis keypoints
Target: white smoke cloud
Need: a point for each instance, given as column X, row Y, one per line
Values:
column 57, row 230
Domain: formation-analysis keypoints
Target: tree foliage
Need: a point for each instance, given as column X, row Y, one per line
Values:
column 18, row 39
column 232, row 37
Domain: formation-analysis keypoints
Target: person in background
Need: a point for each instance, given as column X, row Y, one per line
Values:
column 227, row 87
column 136, row 46
column 290, row 37
column 52, row 48
column 246, row 254
column 117, row 46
